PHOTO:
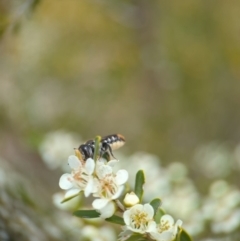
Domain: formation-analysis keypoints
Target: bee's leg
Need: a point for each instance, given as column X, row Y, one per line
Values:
column 106, row 156
column 107, row 148
column 110, row 150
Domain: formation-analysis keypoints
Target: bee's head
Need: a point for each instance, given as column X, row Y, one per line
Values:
column 86, row 151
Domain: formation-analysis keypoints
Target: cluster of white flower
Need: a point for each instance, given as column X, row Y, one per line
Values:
column 105, row 182
column 221, row 207
column 140, row 219
column 97, row 179
column 171, row 183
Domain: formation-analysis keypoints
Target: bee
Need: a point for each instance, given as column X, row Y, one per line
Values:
column 107, row 145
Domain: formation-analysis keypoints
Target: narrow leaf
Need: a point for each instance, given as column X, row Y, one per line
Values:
column 139, row 182
column 97, row 145
column 69, row 198
column 156, row 203
column 115, row 219
column 86, row 214
column 159, row 213
column 183, row 236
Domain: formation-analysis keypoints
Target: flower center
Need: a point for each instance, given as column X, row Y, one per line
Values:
column 139, row 219
column 79, row 177
column 108, row 186
column 164, row 226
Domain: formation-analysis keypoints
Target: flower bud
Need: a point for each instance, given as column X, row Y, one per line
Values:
column 131, row 199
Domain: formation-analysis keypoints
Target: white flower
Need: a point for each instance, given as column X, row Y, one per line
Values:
column 139, row 218
column 80, row 178
column 109, row 186
column 213, row 160
column 188, row 199
column 131, row 199
column 56, row 147
column 166, row 230
column 70, row 205
column 228, row 224
column 98, row 234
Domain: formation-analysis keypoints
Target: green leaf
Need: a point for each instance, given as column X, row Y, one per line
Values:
column 86, row 214
column 183, row 236
column 160, row 212
column 69, row 198
column 115, row 219
column 139, row 182
column 97, row 144
column 156, row 203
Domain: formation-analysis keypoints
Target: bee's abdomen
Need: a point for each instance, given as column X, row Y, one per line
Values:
column 115, row 141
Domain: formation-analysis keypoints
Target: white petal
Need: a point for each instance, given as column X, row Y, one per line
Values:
column 103, row 170
column 149, row 210
column 152, row 226
column 118, row 193
column 179, row 223
column 111, row 163
column 164, row 236
column 121, row 177
column 137, row 208
column 65, row 181
column 96, row 185
column 99, row 203
column 167, row 218
column 72, row 192
column 74, row 162
column 108, row 210
column 89, row 188
column 89, row 166
column 126, row 217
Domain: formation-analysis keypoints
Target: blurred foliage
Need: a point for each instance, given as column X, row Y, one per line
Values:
column 164, row 74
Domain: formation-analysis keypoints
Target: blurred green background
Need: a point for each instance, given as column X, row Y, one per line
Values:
column 165, row 74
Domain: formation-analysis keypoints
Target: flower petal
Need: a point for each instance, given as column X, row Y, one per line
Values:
column 152, row 227
column 108, row 210
column 99, row 203
column 65, row 181
column 118, row 193
column 72, row 192
column 164, row 236
column 89, row 166
column 103, row 170
column 126, row 217
column 74, row 162
column 112, row 162
column 121, row 177
column 179, row 223
column 149, row 210
column 89, row 188
column 167, row 218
